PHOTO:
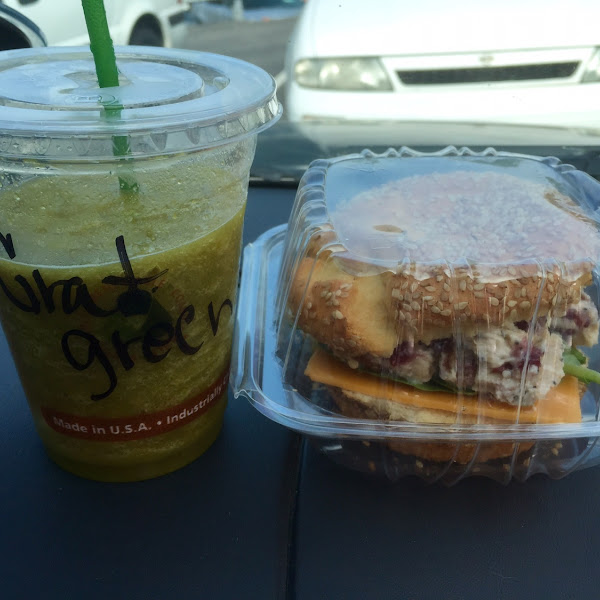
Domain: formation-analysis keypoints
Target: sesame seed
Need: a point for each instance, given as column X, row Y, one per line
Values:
column 323, row 293
column 345, row 286
column 396, row 294
column 461, row 305
column 335, row 303
column 513, row 314
column 512, row 271
column 328, row 295
column 416, row 306
column 525, row 304
column 413, row 287
column 309, row 305
column 431, row 288
column 401, row 316
column 336, row 314
column 506, row 373
column 427, row 298
column 479, row 294
column 435, row 309
column 555, row 451
column 445, row 286
column 404, row 285
column 338, row 293
column 419, row 464
column 416, row 295
column 494, row 301
column 444, row 297
column 439, row 278
column 352, row 363
column 463, row 285
column 407, row 307
column 524, row 293
column 446, row 312
column 512, row 303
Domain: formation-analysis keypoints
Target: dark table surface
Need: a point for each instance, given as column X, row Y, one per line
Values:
column 262, row 515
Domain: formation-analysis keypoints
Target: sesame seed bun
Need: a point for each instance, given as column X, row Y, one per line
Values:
column 391, row 267
column 354, row 404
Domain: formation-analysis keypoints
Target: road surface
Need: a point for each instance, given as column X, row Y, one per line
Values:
column 261, row 43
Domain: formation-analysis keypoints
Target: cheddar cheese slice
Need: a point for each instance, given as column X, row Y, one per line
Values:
column 560, row 405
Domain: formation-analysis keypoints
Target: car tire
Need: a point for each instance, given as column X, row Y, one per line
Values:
column 146, row 33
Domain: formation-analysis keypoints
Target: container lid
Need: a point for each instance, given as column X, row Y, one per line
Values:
column 440, row 209
column 168, row 101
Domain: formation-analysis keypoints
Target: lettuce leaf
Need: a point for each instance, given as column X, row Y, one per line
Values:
column 433, row 385
column 574, row 362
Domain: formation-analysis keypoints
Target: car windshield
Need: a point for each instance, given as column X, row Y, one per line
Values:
column 517, row 75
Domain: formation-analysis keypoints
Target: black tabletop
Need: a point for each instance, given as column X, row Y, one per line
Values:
column 263, row 515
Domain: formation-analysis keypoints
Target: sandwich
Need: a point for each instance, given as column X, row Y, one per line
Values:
column 452, row 298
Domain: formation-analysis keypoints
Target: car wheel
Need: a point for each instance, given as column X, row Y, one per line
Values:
column 146, row 33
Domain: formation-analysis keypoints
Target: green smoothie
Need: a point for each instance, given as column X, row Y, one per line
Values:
column 119, row 307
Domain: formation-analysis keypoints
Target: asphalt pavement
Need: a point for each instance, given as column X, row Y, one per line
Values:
column 260, row 42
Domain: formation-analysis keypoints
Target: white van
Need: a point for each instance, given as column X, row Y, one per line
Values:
column 138, row 22
column 511, row 61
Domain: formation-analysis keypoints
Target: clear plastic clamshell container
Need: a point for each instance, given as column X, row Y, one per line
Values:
column 431, row 314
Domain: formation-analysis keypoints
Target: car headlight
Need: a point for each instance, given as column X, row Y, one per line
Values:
column 364, row 74
column 592, row 70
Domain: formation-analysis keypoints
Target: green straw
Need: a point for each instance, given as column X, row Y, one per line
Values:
column 101, row 43
column 102, row 48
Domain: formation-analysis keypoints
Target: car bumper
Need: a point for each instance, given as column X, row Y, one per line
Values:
column 560, row 105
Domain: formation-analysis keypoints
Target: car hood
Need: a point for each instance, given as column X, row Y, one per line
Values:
column 408, row 27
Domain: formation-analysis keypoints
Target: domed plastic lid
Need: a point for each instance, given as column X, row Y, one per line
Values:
column 168, row 101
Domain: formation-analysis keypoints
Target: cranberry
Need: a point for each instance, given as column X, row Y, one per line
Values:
column 581, row 319
column 535, row 360
column 402, row 354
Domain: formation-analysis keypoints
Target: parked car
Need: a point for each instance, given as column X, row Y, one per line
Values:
column 516, row 61
column 141, row 22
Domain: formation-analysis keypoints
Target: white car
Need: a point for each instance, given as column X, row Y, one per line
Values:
column 138, row 22
column 510, row 61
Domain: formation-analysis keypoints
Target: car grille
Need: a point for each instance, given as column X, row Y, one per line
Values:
column 489, row 74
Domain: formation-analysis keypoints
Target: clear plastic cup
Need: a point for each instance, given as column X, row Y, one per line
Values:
column 121, row 213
